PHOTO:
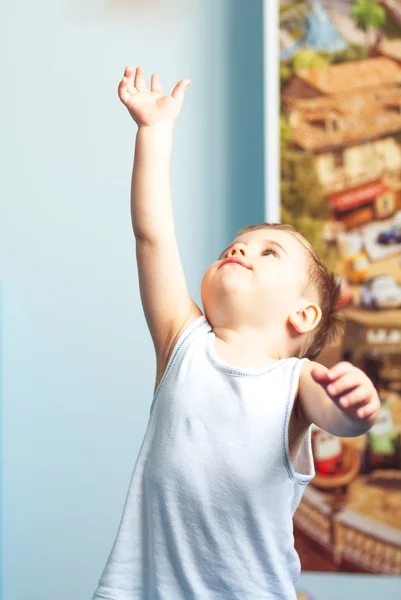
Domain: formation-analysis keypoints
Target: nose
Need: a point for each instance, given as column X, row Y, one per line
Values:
column 237, row 249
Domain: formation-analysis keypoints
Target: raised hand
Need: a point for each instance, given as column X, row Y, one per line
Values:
column 150, row 108
column 350, row 389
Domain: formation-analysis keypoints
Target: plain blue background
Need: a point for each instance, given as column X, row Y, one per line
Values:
column 77, row 360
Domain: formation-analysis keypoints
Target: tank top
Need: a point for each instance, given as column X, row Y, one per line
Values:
column 208, row 513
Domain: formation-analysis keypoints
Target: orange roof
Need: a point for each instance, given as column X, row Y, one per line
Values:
column 361, row 116
column 325, row 103
column 349, row 77
column 317, row 114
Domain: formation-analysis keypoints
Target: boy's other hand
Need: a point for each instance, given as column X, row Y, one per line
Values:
column 150, row 108
column 350, row 389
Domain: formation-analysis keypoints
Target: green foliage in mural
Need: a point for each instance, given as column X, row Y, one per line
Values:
column 368, row 14
column 285, row 131
column 302, row 199
column 285, row 72
column 307, row 59
column 350, row 54
column 301, row 190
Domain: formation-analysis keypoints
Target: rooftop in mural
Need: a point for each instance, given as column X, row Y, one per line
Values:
column 330, row 121
column 348, row 77
column 362, row 118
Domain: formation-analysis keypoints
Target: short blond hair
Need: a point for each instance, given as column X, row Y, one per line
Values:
column 327, row 287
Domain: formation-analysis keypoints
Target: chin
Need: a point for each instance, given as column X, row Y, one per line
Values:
column 225, row 310
column 231, row 281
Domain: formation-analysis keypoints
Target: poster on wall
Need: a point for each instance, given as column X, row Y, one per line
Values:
column 340, row 185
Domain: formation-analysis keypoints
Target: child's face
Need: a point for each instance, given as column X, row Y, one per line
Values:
column 266, row 287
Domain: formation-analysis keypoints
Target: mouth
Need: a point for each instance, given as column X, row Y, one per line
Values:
column 235, row 261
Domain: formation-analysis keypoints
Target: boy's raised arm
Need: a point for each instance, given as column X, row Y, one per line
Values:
column 166, row 302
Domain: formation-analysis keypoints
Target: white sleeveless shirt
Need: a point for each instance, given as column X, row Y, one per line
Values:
column 208, row 514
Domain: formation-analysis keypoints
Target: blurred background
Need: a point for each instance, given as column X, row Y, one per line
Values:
column 76, row 359
column 340, row 184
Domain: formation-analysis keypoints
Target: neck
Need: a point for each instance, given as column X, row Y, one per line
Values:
column 249, row 347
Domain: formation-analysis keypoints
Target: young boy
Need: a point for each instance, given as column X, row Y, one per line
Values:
column 227, row 452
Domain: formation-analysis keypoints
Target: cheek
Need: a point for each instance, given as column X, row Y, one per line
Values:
column 281, row 285
column 203, row 286
column 277, row 275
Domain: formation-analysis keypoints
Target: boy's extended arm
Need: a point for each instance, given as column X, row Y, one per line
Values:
column 341, row 400
column 165, row 298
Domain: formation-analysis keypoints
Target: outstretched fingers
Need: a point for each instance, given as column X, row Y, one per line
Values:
column 179, row 91
column 140, row 82
column 126, row 86
column 155, row 85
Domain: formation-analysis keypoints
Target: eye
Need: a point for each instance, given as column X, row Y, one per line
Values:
column 269, row 251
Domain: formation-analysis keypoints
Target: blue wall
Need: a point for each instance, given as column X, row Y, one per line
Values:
column 77, row 360
column 78, row 364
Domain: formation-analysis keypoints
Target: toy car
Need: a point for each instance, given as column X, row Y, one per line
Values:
column 390, row 236
column 381, row 292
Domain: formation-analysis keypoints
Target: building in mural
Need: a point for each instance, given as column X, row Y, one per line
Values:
column 347, row 116
column 340, row 127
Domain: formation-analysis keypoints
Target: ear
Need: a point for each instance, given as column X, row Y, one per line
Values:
column 306, row 317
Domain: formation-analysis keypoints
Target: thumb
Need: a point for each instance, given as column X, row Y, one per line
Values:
column 321, row 375
column 180, row 89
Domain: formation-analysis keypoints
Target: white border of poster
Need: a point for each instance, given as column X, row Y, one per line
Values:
column 271, row 110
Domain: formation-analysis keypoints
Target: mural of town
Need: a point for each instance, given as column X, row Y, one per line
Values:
column 340, row 138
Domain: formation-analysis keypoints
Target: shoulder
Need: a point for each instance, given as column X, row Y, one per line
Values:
column 303, row 367
column 307, row 368
column 306, row 380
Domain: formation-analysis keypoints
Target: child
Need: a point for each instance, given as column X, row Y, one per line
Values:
column 227, row 452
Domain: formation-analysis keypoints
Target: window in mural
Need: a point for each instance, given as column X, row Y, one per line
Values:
column 340, row 138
